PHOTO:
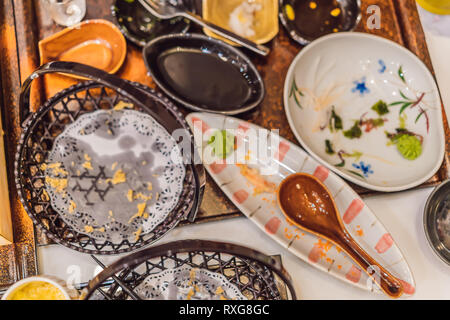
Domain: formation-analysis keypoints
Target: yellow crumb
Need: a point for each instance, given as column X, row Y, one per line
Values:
column 219, row 290
column 119, row 177
column 312, row 5
column 110, row 213
column 190, row 294
column 141, row 208
column 102, row 229
column 130, row 195
column 138, row 234
column 58, row 184
column 88, row 229
column 45, row 195
column 72, row 206
column 86, row 157
column 141, row 196
column 149, row 186
column 335, row 12
column 122, row 105
column 87, row 165
column 114, row 165
column 290, row 14
column 56, row 169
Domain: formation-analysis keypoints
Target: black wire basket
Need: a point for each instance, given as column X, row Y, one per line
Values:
column 40, row 129
column 256, row 275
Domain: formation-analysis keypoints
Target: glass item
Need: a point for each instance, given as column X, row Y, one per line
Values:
column 436, row 6
column 66, row 12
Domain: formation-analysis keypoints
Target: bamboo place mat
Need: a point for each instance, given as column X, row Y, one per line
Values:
column 29, row 22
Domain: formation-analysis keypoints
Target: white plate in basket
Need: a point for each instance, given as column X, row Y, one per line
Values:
column 351, row 72
column 282, row 160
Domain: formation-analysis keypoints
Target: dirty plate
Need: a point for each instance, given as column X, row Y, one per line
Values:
column 372, row 114
column 252, row 188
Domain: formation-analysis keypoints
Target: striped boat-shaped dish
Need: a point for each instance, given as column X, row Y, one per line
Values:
column 283, row 159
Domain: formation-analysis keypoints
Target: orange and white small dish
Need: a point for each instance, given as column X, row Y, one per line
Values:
column 249, row 178
column 256, row 20
column 40, row 288
column 97, row 43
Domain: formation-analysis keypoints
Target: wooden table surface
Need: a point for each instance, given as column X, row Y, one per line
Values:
column 24, row 22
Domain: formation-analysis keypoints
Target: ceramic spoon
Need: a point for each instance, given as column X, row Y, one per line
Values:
column 166, row 10
column 307, row 203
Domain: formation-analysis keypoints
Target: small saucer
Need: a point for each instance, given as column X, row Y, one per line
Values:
column 437, row 218
column 139, row 26
column 94, row 42
column 307, row 20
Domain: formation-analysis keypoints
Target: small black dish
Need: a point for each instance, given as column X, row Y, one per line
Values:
column 307, row 20
column 204, row 74
column 436, row 221
column 139, row 26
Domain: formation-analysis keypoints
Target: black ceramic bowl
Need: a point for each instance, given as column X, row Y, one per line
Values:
column 210, row 75
column 139, row 26
column 307, row 20
column 436, row 218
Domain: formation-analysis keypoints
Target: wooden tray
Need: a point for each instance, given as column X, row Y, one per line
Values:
column 26, row 22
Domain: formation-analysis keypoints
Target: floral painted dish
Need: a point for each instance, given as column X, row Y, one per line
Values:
column 371, row 114
column 250, row 179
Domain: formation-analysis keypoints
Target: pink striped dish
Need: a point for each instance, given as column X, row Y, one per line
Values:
column 262, row 209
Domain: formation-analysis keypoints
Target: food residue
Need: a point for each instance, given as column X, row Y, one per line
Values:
column 254, row 177
column 37, row 290
column 122, row 105
column 242, row 19
column 119, row 177
column 59, row 185
column 72, row 206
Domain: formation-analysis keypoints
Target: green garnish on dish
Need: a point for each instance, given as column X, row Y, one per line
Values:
column 381, row 108
column 222, row 143
column 354, row 132
column 335, row 121
column 408, row 144
column 329, row 147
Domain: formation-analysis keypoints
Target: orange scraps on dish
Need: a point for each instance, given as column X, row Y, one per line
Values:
column 254, row 177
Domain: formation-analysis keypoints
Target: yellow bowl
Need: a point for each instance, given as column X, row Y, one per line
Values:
column 40, row 288
column 266, row 19
column 436, row 6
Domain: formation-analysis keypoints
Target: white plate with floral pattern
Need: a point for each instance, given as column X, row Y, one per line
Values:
column 368, row 109
column 250, row 179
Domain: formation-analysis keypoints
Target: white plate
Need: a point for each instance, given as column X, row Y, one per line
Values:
column 352, row 72
column 284, row 159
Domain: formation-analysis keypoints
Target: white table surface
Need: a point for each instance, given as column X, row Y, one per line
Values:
column 401, row 213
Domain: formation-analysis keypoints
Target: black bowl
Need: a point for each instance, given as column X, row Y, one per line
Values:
column 318, row 21
column 249, row 97
column 140, row 26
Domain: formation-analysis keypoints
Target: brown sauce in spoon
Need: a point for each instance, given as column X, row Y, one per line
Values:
column 309, row 204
